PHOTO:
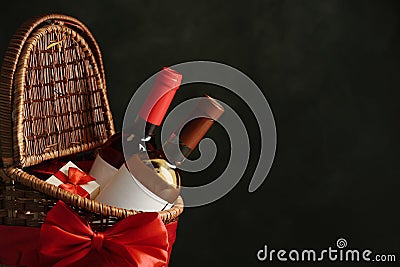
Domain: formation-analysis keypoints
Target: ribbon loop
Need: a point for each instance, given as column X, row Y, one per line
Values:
column 97, row 241
column 78, row 177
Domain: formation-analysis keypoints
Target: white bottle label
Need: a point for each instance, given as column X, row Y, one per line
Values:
column 102, row 171
column 125, row 191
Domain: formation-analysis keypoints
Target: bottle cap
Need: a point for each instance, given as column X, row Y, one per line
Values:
column 159, row 99
column 208, row 107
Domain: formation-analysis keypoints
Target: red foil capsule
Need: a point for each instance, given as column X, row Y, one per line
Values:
column 161, row 95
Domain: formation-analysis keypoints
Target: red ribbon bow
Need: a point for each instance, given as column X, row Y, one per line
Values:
column 74, row 180
column 67, row 240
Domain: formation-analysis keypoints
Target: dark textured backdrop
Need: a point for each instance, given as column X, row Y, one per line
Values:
column 330, row 71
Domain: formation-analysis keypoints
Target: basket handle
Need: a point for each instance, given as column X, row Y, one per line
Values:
column 9, row 67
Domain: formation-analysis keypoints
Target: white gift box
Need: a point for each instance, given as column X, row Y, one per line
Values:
column 93, row 188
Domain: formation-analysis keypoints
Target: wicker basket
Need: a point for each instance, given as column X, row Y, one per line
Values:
column 53, row 104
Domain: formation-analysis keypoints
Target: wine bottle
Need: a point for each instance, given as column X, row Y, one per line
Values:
column 110, row 156
column 150, row 181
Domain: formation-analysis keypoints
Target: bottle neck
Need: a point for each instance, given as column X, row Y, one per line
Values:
column 143, row 129
column 175, row 151
column 180, row 145
column 141, row 135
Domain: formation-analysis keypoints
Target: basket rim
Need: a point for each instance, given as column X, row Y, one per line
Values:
column 90, row 205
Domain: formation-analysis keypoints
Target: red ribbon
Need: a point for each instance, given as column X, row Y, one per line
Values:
column 47, row 168
column 65, row 239
column 74, row 180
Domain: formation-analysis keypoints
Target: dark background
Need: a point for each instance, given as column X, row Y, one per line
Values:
column 330, row 71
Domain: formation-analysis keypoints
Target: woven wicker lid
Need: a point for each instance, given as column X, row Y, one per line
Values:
column 53, row 98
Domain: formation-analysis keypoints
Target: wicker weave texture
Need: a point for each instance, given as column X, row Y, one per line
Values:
column 25, row 200
column 52, row 60
column 60, row 107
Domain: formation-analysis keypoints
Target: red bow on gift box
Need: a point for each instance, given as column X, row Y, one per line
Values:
column 65, row 239
column 74, row 180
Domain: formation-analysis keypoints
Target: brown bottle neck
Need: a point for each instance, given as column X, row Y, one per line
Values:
column 192, row 133
column 178, row 148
